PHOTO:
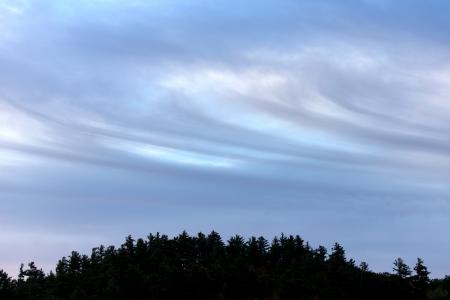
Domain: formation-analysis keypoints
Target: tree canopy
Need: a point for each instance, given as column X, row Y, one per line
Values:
column 206, row 267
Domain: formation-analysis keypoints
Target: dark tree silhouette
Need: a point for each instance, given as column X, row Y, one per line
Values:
column 6, row 285
column 204, row 267
column 401, row 269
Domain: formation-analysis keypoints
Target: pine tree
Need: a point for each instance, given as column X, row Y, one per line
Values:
column 401, row 269
column 6, row 285
column 421, row 279
column 422, row 273
column 364, row 267
column 337, row 254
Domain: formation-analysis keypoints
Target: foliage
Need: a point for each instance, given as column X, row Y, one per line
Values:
column 206, row 267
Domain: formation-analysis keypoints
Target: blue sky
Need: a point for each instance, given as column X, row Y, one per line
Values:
column 328, row 119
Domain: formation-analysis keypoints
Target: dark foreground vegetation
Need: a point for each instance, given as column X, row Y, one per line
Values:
column 205, row 267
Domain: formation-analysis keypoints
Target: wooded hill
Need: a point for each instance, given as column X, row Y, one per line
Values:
column 206, row 267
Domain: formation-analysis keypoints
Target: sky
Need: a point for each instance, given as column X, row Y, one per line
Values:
column 327, row 119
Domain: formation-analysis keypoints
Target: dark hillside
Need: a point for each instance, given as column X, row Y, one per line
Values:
column 206, row 267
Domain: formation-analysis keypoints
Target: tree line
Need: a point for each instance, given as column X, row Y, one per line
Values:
column 206, row 267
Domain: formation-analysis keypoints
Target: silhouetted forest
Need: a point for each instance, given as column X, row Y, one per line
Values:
column 206, row 267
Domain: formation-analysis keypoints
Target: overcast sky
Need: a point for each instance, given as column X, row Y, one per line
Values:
column 328, row 119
